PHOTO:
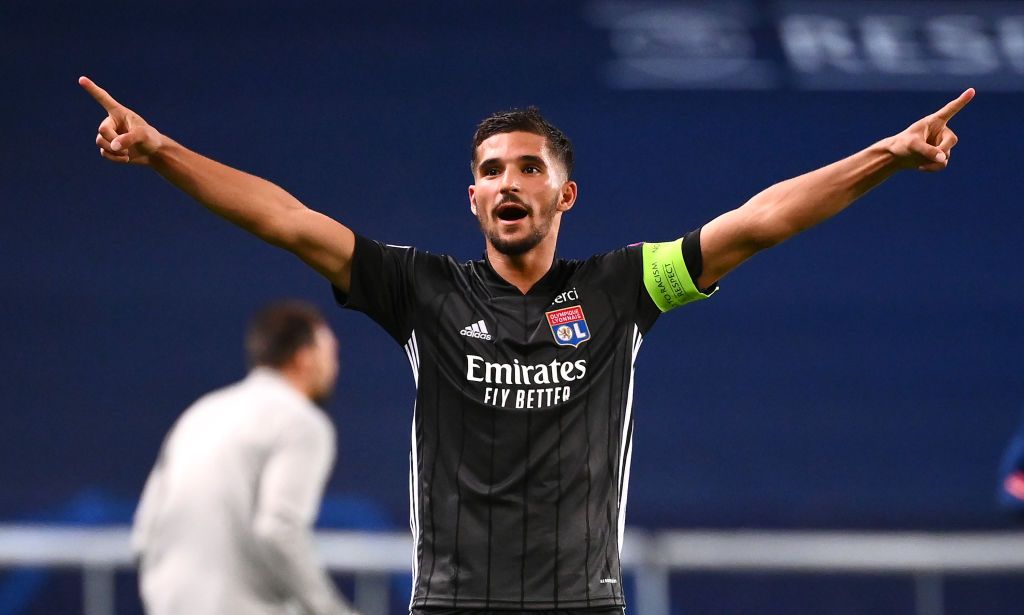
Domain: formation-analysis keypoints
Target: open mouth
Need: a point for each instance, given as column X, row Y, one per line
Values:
column 510, row 212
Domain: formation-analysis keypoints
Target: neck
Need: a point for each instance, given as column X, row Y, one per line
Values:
column 523, row 270
column 295, row 378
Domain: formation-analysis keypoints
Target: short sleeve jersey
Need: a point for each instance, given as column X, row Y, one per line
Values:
column 523, row 420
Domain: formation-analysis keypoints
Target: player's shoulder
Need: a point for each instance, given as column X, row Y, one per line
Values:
column 410, row 254
column 308, row 421
column 224, row 395
column 627, row 256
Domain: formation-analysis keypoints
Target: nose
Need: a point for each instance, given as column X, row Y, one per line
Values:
column 509, row 181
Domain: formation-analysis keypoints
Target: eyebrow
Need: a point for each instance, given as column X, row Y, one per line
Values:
column 528, row 158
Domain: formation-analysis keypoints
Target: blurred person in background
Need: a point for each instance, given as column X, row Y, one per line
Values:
column 1011, row 476
column 523, row 361
column 225, row 520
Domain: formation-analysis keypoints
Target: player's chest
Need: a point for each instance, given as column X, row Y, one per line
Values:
column 558, row 321
column 524, row 352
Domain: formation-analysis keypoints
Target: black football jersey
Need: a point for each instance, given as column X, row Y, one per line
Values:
column 523, row 420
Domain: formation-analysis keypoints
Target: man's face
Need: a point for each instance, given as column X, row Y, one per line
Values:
column 324, row 364
column 520, row 191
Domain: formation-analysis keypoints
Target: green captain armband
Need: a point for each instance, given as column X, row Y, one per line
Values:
column 666, row 277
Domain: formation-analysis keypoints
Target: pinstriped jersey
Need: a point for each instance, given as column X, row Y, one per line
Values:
column 523, row 420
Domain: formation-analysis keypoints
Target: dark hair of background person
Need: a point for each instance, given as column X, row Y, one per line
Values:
column 278, row 331
column 525, row 120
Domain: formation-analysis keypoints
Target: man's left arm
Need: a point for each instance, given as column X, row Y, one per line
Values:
column 789, row 207
column 290, row 490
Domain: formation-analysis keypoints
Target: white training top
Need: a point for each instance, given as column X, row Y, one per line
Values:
column 225, row 520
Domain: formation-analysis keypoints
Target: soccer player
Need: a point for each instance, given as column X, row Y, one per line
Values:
column 225, row 520
column 521, row 440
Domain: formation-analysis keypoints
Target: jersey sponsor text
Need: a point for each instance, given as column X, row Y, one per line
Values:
column 554, row 373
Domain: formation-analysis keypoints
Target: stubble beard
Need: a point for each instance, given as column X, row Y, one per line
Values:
column 518, row 247
column 322, row 398
column 324, row 392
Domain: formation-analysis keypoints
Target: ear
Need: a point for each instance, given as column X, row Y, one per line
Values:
column 302, row 358
column 472, row 199
column 567, row 198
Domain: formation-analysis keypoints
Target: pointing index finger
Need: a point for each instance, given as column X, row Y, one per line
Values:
column 99, row 94
column 954, row 106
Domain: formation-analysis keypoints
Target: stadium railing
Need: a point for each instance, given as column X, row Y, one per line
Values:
column 651, row 557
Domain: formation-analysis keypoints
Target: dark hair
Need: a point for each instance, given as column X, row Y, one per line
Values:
column 278, row 331
column 525, row 120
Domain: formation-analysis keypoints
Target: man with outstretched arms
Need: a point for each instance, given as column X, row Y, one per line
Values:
column 523, row 362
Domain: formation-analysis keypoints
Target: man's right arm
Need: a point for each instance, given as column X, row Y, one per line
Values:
column 255, row 204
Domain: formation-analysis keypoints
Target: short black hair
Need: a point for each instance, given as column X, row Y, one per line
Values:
column 280, row 330
column 524, row 120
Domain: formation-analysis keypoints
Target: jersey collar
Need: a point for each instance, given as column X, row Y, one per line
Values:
column 549, row 281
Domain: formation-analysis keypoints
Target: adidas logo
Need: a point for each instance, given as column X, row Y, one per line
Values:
column 477, row 330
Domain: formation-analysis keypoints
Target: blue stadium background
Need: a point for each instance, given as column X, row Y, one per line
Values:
column 864, row 375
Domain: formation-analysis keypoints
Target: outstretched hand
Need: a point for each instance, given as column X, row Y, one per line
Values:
column 123, row 136
column 926, row 144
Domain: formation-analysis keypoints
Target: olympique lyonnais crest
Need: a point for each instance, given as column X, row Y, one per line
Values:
column 569, row 326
